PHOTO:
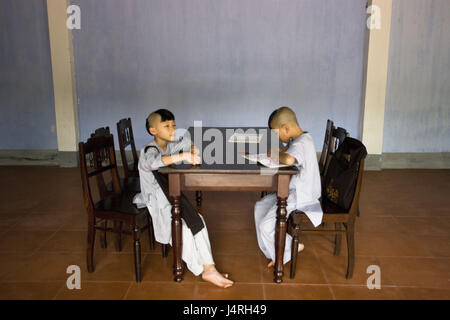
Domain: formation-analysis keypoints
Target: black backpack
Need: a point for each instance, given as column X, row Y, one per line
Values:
column 342, row 173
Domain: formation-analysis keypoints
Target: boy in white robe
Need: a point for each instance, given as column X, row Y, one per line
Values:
column 304, row 187
column 164, row 151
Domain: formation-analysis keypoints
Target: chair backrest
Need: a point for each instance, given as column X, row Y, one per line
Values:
column 337, row 136
column 101, row 132
column 97, row 156
column 326, row 145
column 126, row 138
column 101, row 154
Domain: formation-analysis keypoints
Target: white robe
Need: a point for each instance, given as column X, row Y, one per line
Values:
column 304, row 194
column 196, row 250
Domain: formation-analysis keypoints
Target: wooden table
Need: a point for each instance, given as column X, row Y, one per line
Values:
column 228, row 177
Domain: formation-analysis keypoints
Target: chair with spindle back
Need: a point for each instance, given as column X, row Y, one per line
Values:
column 126, row 138
column 130, row 183
column 97, row 156
column 334, row 214
column 106, row 189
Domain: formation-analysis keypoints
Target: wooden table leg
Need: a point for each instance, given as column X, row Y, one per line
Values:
column 198, row 198
column 175, row 193
column 280, row 228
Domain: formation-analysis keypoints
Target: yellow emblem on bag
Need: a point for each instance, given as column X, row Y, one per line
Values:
column 332, row 193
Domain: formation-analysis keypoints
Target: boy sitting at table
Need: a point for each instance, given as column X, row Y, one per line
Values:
column 304, row 187
column 164, row 151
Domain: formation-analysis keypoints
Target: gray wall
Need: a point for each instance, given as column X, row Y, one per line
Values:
column 26, row 88
column 418, row 94
column 228, row 63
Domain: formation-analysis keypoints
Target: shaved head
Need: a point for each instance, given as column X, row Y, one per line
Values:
column 282, row 116
column 156, row 117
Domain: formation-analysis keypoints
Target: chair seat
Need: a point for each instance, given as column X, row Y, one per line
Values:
column 122, row 203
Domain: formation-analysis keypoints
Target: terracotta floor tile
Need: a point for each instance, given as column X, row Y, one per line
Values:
column 375, row 224
column 363, row 293
column 48, row 267
column 76, row 222
column 438, row 246
column 162, row 291
column 239, row 291
column 23, row 241
column 8, row 219
column 116, row 267
column 95, row 291
column 228, row 208
column 424, row 293
column 76, row 241
column 308, row 270
column 67, row 241
column 389, row 245
column 14, row 202
column 230, row 196
column 3, row 231
column 230, row 222
column 297, row 292
column 29, row 290
column 10, row 262
column 241, row 268
column 72, row 203
column 418, row 272
column 42, row 221
column 234, row 242
column 335, row 269
column 324, row 244
column 438, row 226
column 157, row 268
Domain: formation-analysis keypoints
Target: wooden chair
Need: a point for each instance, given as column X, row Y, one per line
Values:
column 97, row 156
column 333, row 214
column 130, row 184
column 126, row 138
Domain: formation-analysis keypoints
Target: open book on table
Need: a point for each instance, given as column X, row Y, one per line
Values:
column 263, row 159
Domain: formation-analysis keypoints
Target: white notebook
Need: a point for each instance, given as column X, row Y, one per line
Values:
column 245, row 137
column 264, row 160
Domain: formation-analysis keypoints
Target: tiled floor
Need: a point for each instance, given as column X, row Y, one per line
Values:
column 404, row 229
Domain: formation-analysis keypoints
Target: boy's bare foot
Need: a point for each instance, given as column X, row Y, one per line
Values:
column 211, row 274
column 301, row 246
